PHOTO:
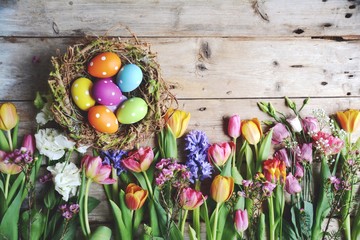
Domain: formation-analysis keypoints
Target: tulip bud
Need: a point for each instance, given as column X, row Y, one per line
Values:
column 29, row 143
column 135, row 196
column 221, row 188
column 251, row 130
column 7, row 167
column 95, row 171
column 178, row 121
column 140, row 160
column 234, row 127
column 349, row 120
column 241, row 220
column 219, row 153
column 8, row 116
column 191, row 199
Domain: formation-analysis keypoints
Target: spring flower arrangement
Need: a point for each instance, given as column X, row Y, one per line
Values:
column 287, row 178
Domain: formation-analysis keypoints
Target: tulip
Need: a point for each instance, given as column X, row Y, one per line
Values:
column 135, row 196
column 234, row 127
column 295, row 124
column 280, row 133
column 292, row 185
column 140, row 160
column 29, row 143
column 191, row 199
column 219, row 153
column 7, row 167
column 241, row 221
column 349, row 120
column 221, row 188
column 178, row 121
column 95, row 171
column 251, row 130
column 310, row 125
column 274, row 170
column 8, row 116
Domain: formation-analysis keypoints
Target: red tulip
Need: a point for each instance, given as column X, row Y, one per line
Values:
column 135, row 196
column 140, row 160
column 191, row 199
column 95, row 171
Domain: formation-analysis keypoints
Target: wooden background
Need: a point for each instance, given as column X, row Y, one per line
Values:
column 221, row 56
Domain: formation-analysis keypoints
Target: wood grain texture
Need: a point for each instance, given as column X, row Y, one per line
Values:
column 180, row 18
column 209, row 68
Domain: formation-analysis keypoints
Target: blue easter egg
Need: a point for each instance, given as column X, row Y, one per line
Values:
column 129, row 77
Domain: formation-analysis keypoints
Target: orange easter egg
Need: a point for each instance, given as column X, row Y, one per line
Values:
column 104, row 65
column 103, row 119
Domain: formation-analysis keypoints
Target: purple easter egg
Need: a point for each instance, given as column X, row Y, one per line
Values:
column 113, row 108
column 107, row 93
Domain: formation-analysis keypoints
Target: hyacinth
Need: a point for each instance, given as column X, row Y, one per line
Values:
column 196, row 146
column 113, row 158
column 68, row 210
column 20, row 157
column 327, row 143
column 172, row 172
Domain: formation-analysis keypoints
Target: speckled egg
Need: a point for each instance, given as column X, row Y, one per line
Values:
column 132, row 110
column 106, row 92
column 102, row 119
column 113, row 108
column 104, row 65
column 80, row 93
column 129, row 77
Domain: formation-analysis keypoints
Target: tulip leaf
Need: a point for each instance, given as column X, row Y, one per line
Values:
column 250, row 165
column 223, row 215
column 170, row 144
column 36, row 221
column 138, row 217
column 204, row 213
column 125, row 233
column 141, row 180
column 229, row 232
column 101, row 233
column 288, row 232
column 192, row 233
column 14, row 136
column 264, row 150
column 17, row 184
column 226, row 171
column 153, row 218
column 4, row 144
column 126, row 212
column 261, row 230
column 236, row 175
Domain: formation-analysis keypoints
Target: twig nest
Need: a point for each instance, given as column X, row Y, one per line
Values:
column 128, row 110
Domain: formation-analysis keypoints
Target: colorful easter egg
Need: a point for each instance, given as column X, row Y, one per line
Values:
column 104, row 65
column 129, row 77
column 106, row 92
column 113, row 108
column 102, row 119
column 80, row 93
column 132, row 110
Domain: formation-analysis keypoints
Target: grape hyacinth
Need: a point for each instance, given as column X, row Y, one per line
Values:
column 113, row 158
column 196, row 146
column 68, row 210
column 19, row 156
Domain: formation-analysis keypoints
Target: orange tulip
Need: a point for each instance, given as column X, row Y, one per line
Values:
column 221, row 188
column 251, row 130
column 8, row 116
column 349, row 120
column 178, row 121
column 135, row 196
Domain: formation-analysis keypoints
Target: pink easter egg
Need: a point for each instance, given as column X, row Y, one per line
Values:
column 107, row 93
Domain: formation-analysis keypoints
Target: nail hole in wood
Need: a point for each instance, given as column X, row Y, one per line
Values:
column 202, row 67
column 202, row 109
column 352, row 6
column 275, row 63
column 327, row 25
column 324, row 83
column 348, row 15
column 348, row 93
column 298, row 31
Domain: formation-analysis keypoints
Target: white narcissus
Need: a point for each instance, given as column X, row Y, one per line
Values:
column 66, row 179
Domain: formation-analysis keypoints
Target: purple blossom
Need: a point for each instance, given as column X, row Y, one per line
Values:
column 67, row 215
column 304, row 153
column 196, row 146
column 46, row 178
column 283, row 156
column 299, row 170
column 74, row 208
column 171, row 172
column 268, row 188
column 247, row 183
column 292, row 185
column 19, row 156
column 113, row 158
column 68, row 210
column 310, row 125
column 280, row 133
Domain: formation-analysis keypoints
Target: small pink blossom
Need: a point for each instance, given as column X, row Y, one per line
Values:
column 280, row 133
column 327, row 143
column 299, row 170
column 310, row 125
column 304, row 153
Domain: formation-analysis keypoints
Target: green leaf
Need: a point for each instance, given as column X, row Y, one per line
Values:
column 53, row 224
column 14, row 189
column 92, row 203
column 261, row 230
column 36, row 220
column 102, row 233
column 50, row 199
column 192, row 233
column 264, row 150
column 125, row 233
column 288, row 232
column 170, row 144
column 138, row 217
column 223, row 214
column 229, row 232
column 126, row 212
column 204, row 213
column 250, row 165
column 4, row 144
column 226, row 171
column 236, row 175
column 14, row 136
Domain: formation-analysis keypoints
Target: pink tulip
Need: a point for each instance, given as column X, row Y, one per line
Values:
column 191, row 199
column 241, row 220
column 280, row 133
column 310, row 125
column 219, row 153
column 95, row 171
column 7, row 167
column 29, row 143
column 292, row 185
column 140, row 160
column 234, row 127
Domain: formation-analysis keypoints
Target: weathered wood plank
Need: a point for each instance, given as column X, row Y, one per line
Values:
column 209, row 67
column 180, row 18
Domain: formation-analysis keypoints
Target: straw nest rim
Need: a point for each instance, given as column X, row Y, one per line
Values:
column 153, row 89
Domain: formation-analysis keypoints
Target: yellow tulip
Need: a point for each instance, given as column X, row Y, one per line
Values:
column 178, row 121
column 349, row 120
column 251, row 130
column 8, row 116
column 221, row 188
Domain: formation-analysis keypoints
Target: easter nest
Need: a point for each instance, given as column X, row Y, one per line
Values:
column 73, row 65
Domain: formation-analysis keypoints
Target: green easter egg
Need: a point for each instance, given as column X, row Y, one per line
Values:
column 132, row 110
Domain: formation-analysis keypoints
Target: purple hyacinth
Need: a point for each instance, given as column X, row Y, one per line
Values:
column 196, row 146
column 19, row 156
column 113, row 158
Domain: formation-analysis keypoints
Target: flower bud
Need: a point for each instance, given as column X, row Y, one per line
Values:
column 140, row 160
column 241, row 220
column 221, row 188
column 178, row 121
column 29, row 143
column 8, row 116
column 135, row 196
column 219, row 153
column 251, row 130
column 292, row 185
column 295, row 124
column 234, row 127
column 191, row 199
column 349, row 120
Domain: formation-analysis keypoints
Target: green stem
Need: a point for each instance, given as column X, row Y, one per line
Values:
column 216, row 220
column 7, row 182
column 148, row 185
column 183, row 222
column 10, row 140
column 67, row 159
column 86, row 213
column 115, row 187
column 234, row 155
column 46, row 221
column 196, row 214
column 271, row 219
